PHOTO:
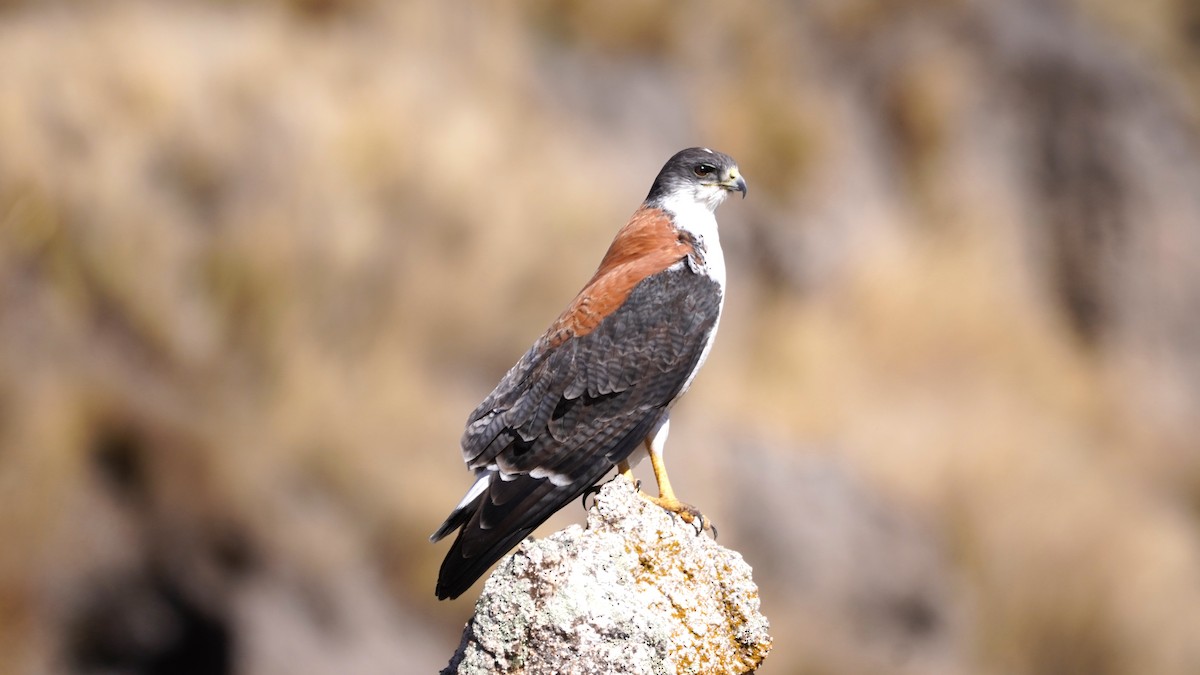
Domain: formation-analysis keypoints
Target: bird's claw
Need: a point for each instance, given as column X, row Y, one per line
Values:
column 692, row 516
column 688, row 513
column 590, row 492
column 595, row 489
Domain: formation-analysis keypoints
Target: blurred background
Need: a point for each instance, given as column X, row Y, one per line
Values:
column 258, row 260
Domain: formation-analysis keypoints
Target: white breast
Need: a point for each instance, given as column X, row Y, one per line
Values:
column 696, row 217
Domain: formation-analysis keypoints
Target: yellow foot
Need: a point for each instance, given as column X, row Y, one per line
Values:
column 690, row 514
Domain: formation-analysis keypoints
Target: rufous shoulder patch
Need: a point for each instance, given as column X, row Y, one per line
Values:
column 648, row 244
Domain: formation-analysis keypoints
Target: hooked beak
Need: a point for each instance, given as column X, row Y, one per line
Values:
column 735, row 183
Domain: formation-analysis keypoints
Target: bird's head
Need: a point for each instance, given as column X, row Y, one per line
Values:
column 696, row 176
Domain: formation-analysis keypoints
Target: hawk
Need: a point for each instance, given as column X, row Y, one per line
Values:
column 600, row 382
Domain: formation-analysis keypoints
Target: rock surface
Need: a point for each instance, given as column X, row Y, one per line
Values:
column 637, row 591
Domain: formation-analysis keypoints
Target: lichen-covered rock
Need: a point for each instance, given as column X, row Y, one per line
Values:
column 638, row 591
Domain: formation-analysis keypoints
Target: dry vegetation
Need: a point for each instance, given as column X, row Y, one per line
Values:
column 258, row 260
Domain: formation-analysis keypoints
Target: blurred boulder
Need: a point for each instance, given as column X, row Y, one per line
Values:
column 638, row 591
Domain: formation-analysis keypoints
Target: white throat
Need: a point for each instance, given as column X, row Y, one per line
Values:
column 695, row 215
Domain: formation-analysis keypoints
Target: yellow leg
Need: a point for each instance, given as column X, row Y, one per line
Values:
column 626, row 470
column 666, row 494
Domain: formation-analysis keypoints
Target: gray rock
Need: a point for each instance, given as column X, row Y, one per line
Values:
column 637, row 591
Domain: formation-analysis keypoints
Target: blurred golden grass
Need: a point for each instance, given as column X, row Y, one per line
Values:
column 282, row 257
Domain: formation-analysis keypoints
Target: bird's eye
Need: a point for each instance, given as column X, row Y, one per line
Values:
column 703, row 170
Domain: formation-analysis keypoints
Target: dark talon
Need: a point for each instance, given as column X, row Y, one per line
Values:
column 703, row 523
column 590, row 492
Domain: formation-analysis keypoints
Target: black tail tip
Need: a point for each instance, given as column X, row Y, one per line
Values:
column 444, row 593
